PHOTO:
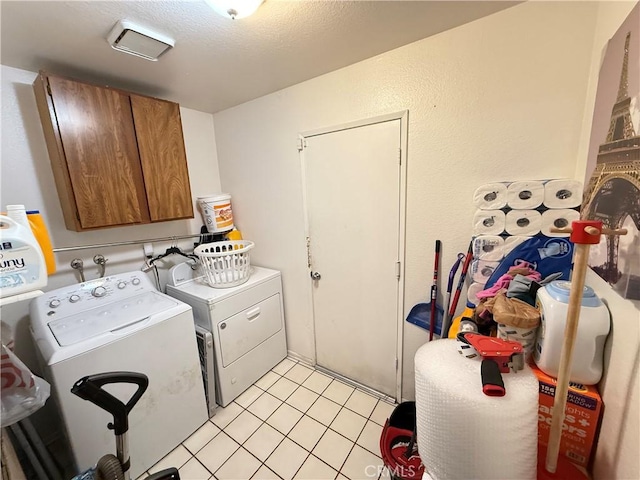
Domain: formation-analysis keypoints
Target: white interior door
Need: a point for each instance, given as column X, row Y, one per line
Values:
column 352, row 196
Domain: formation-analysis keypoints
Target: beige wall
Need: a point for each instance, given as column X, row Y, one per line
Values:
column 501, row 98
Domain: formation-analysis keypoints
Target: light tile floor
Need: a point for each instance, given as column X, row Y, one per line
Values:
column 293, row 423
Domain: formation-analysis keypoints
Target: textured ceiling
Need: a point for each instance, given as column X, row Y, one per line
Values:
column 218, row 63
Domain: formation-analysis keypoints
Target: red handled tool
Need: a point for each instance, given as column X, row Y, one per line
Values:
column 463, row 275
column 446, row 321
column 498, row 357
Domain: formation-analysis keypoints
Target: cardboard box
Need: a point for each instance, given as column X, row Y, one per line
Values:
column 581, row 422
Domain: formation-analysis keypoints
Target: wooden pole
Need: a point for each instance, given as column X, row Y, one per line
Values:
column 584, row 233
column 564, row 372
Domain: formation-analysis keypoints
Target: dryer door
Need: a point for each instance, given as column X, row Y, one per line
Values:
column 246, row 330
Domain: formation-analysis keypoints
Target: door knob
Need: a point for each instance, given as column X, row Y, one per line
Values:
column 315, row 276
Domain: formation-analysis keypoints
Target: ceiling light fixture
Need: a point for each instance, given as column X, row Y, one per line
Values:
column 139, row 41
column 234, row 8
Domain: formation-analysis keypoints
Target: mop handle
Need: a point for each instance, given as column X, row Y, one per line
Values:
column 584, row 233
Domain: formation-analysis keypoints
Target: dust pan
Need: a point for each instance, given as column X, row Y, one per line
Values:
column 420, row 315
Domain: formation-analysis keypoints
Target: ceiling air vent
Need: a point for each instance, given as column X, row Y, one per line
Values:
column 140, row 41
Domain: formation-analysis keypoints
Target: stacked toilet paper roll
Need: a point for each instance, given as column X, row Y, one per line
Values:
column 559, row 218
column 463, row 433
column 523, row 222
column 488, row 247
column 562, row 193
column 509, row 213
column 525, row 195
column 481, row 270
column 489, row 222
column 491, row 196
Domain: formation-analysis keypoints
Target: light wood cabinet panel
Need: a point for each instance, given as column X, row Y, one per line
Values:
column 162, row 155
column 96, row 129
column 118, row 158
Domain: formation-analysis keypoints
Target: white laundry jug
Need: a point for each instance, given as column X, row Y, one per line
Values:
column 593, row 329
column 22, row 265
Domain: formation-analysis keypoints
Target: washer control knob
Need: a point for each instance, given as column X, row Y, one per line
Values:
column 55, row 303
column 135, row 281
column 121, row 285
column 99, row 292
column 74, row 298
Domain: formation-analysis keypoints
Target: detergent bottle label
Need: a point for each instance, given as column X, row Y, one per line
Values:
column 21, row 261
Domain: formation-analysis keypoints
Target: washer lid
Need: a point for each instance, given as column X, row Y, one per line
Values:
column 110, row 317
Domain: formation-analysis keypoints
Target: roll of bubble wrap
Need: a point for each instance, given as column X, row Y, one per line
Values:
column 464, row 434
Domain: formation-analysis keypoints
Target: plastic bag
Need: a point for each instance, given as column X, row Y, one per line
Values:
column 514, row 312
column 22, row 392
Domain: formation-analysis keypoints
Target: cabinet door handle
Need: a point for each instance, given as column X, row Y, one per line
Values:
column 253, row 313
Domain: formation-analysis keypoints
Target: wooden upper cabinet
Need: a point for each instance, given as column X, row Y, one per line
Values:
column 164, row 162
column 117, row 158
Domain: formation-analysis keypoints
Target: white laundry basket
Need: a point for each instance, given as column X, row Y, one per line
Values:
column 225, row 264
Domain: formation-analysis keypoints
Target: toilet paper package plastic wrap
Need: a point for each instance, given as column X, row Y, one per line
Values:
column 510, row 243
column 547, row 254
column 488, row 247
column 560, row 218
column 481, row 270
column 525, row 195
column 562, row 193
column 488, row 222
column 463, row 433
column 473, row 291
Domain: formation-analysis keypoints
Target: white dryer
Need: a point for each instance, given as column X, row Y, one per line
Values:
column 246, row 322
column 121, row 323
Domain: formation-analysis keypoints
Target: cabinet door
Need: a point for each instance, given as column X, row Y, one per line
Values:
column 98, row 138
column 162, row 155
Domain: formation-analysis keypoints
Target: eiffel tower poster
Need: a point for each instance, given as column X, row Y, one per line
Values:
column 612, row 192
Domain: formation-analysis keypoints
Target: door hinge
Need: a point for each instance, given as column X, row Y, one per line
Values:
column 396, row 364
column 302, row 144
column 398, row 270
column 400, row 156
column 49, row 88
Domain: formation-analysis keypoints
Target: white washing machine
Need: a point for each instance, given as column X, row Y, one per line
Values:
column 117, row 323
column 246, row 322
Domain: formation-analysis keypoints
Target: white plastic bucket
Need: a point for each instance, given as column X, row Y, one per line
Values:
column 216, row 212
